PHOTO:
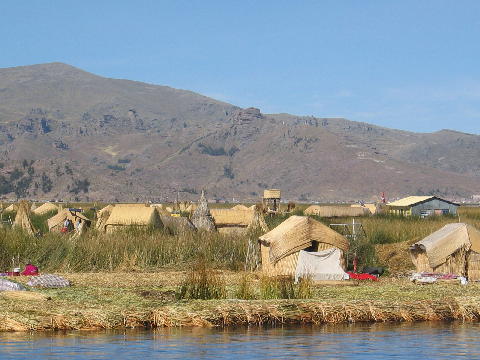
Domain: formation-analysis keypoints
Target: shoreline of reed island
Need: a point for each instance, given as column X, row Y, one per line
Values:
column 152, row 278
column 118, row 300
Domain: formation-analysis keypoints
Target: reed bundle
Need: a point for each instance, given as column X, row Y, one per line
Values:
column 234, row 313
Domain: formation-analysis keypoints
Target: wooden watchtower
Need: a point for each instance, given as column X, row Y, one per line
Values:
column 271, row 200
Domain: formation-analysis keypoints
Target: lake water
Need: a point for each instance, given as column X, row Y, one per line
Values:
column 357, row 341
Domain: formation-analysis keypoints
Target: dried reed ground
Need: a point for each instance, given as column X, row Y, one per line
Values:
column 118, row 300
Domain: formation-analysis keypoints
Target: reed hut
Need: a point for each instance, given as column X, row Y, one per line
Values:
column 372, row 208
column 240, row 207
column 22, row 219
column 230, row 220
column 191, row 208
column 102, row 216
column 336, row 211
column 124, row 217
column 56, row 222
column 202, row 218
column 45, row 208
column 280, row 247
column 453, row 249
column 177, row 224
column 11, row 208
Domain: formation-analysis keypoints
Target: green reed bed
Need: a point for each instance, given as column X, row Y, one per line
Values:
column 135, row 249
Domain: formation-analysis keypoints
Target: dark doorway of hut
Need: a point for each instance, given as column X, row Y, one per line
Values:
column 356, row 235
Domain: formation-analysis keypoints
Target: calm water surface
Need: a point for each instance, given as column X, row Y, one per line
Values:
column 359, row 341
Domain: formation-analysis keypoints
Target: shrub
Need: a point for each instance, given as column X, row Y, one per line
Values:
column 202, row 283
column 245, row 289
column 283, row 287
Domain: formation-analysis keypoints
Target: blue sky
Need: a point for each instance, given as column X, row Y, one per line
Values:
column 410, row 65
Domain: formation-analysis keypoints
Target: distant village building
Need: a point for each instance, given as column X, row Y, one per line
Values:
column 422, row 206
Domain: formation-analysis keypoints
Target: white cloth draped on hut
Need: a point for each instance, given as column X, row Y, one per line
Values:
column 321, row 265
column 449, row 250
column 280, row 247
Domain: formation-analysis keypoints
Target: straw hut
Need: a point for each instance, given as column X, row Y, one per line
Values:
column 191, row 208
column 123, row 217
column 336, row 211
column 240, row 207
column 102, row 216
column 22, row 219
column 45, row 208
column 281, row 246
column 372, row 208
column 55, row 223
column 453, row 249
column 177, row 224
column 230, row 220
column 202, row 218
column 11, row 208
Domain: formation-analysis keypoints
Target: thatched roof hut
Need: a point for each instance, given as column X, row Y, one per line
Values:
column 11, row 208
column 22, row 219
column 448, row 250
column 122, row 217
column 239, row 219
column 177, row 224
column 55, row 223
column 280, row 247
column 45, row 208
column 191, row 208
column 370, row 207
column 230, row 217
column 240, row 207
column 336, row 211
column 202, row 218
column 102, row 216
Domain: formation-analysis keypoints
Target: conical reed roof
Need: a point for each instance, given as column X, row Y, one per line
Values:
column 22, row 219
column 201, row 218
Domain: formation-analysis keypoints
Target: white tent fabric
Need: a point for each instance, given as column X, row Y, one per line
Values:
column 323, row 265
column 6, row 285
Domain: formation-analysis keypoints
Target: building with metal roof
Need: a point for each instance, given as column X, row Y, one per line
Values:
column 422, row 206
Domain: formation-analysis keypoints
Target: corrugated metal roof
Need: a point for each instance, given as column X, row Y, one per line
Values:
column 410, row 200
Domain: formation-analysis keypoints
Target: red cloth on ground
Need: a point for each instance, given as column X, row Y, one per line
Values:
column 362, row 276
column 30, row 270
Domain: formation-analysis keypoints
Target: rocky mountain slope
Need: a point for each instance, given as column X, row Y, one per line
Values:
column 68, row 134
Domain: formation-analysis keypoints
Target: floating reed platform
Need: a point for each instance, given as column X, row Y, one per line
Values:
column 224, row 313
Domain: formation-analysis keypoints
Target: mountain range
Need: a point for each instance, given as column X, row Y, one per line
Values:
column 72, row 135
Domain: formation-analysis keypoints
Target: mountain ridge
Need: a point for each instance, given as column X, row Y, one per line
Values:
column 134, row 141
